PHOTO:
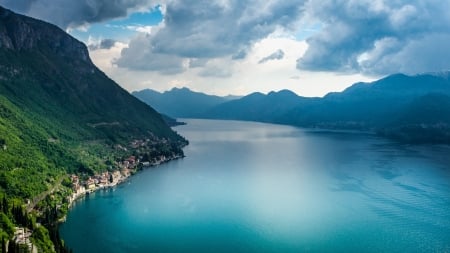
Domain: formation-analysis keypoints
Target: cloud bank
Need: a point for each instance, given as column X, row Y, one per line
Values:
column 378, row 37
column 75, row 13
column 139, row 55
column 206, row 29
column 373, row 37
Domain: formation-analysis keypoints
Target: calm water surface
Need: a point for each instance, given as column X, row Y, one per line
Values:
column 253, row 187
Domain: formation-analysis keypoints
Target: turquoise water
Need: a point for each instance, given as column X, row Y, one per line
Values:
column 253, row 187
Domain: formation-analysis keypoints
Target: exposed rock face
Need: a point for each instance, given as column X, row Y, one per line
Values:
column 18, row 32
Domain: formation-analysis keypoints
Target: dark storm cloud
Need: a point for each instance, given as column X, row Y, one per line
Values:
column 379, row 37
column 207, row 29
column 373, row 37
column 211, row 29
column 75, row 13
column 102, row 44
column 278, row 55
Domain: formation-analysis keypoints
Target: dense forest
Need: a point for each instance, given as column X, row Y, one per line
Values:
column 60, row 115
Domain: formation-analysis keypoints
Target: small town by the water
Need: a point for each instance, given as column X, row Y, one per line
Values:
column 82, row 185
column 110, row 179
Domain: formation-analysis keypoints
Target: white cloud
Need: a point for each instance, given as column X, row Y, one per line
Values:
column 246, row 74
column 216, row 29
column 215, row 45
column 378, row 37
column 140, row 28
column 138, row 56
column 103, row 58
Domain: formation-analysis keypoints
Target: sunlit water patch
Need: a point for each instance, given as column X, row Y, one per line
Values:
column 253, row 187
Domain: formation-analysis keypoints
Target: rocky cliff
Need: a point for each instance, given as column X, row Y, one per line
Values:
column 18, row 32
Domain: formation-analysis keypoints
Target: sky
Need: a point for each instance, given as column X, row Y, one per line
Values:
column 241, row 46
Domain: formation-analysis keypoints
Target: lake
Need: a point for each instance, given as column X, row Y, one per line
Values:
column 254, row 187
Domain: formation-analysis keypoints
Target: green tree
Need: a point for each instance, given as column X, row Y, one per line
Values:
column 3, row 245
column 5, row 205
column 6, row 224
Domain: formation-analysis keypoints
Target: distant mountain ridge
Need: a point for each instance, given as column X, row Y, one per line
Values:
column 180, row 102
column 407, row 108
column 257, row 106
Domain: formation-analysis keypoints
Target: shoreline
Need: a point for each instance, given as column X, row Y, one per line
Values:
column 123, row 178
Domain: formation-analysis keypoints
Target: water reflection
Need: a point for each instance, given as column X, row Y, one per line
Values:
column 252, row 187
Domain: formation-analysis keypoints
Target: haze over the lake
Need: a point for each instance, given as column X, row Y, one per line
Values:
column 238, row 47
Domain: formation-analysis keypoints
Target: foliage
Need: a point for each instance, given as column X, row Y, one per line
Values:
column 59, row 114
column 42, row 239
column 6, row 225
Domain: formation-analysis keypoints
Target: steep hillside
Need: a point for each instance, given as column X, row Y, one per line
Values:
column 59, row 112
column 180, row 103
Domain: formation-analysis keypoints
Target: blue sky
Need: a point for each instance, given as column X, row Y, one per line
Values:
column 120, row 29
column 237, row 47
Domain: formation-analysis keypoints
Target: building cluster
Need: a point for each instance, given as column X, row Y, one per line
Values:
column 124, row 169
column 103, row 180
column 22, row 237
column 129, row 163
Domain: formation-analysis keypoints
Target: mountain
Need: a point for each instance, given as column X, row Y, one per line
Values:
column 425, row 120
column 369, row 105
column 258, row 107
column 171, row 121
column 180, row 103
column 397, row 106
column 59, row 113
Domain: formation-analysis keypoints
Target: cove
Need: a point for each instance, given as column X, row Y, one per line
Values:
column 254, row 187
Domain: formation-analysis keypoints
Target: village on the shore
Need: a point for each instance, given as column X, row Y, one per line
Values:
column 85, row 184
column 98, row 181
column 110, row 179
